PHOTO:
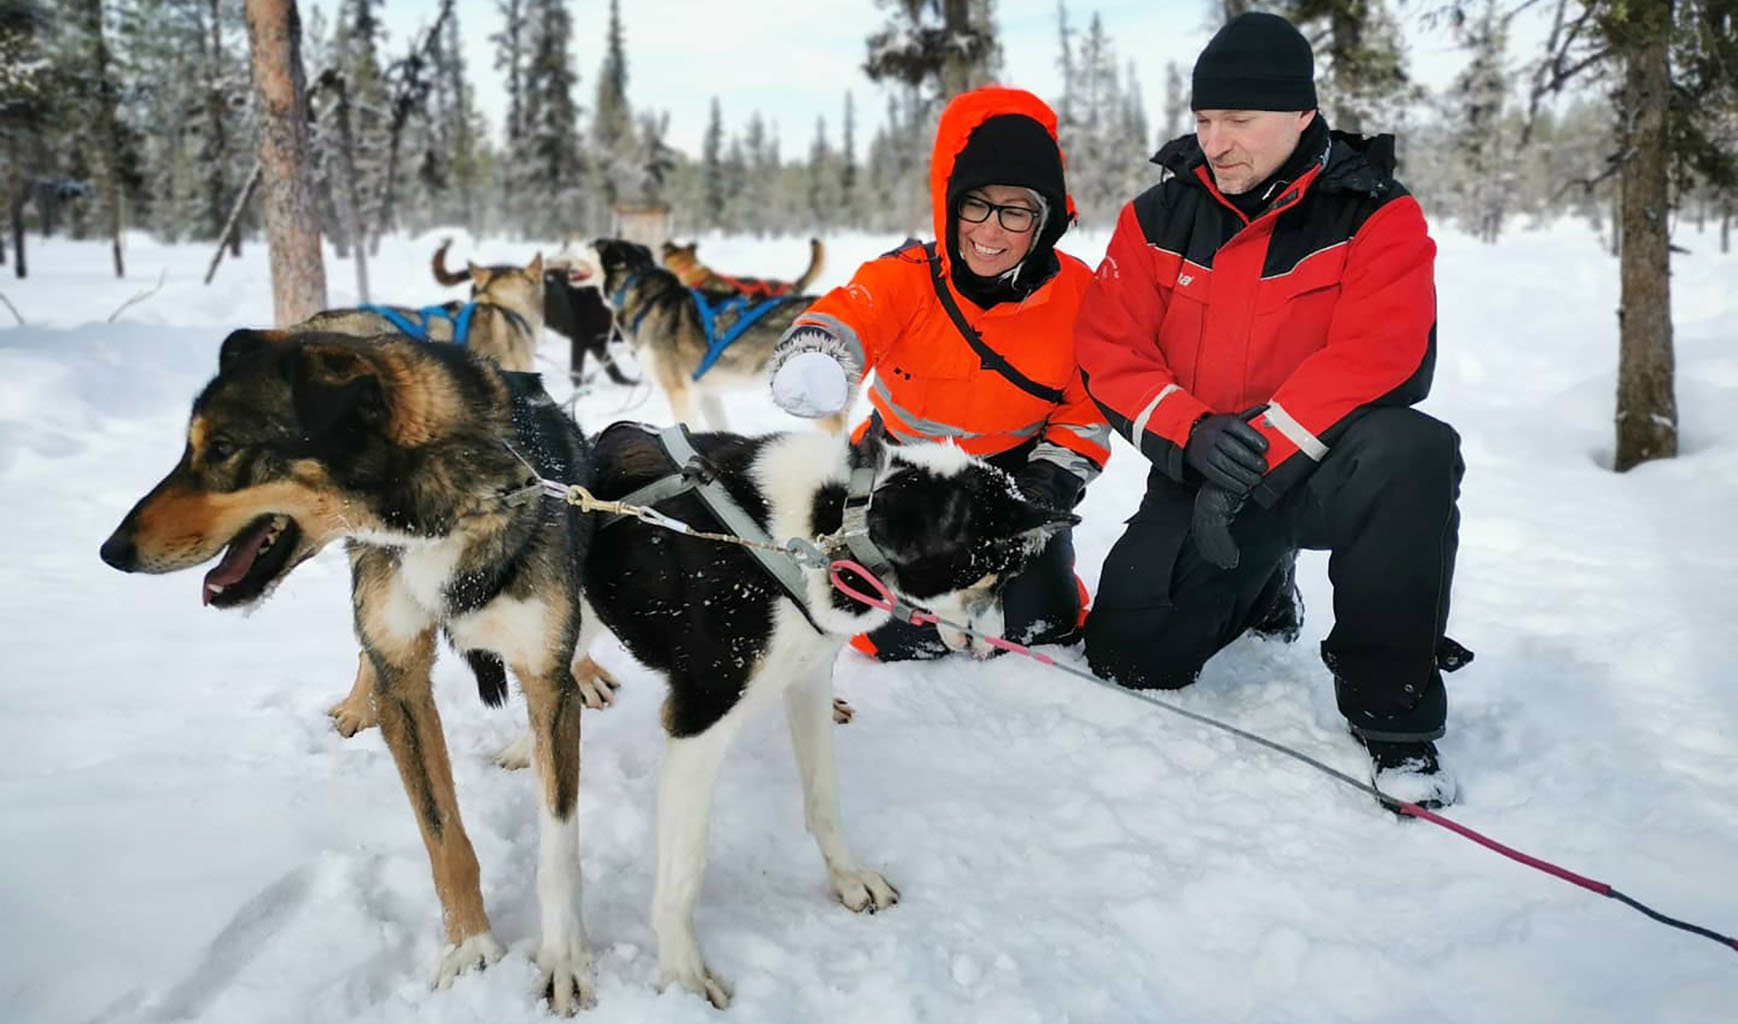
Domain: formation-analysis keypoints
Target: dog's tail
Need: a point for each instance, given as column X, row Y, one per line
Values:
column 491, row 675
column 439, row 265
column 817, row 260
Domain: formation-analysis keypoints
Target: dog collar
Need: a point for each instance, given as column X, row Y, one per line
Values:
column 620, row 295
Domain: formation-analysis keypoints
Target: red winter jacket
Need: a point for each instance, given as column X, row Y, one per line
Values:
column 1322, row 305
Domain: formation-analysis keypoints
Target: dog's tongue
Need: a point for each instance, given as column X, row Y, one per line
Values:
column 236, row 562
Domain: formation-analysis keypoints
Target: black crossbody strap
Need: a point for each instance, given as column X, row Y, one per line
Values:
column 988, row 357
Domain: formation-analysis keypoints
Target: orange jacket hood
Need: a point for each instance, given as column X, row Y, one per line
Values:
column 962, row 116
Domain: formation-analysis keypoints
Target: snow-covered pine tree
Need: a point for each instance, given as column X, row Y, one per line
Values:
column 157, row 51
column 464, row 133
column 735, row 216
column 1065, row 65
column 1361, row 76
column 822, row 174
column 1176, row 113
column 759, row 192
column 546, row 174
column 1137, row 173
column 26, row 78
column 614, row 156
column 1099, row 149
column 713, row 197
column 850, row 202
column 104, row 145
column 409, row 81
column 511, row 44
column 1484, row 138
column 358, row 38
column 657, row 159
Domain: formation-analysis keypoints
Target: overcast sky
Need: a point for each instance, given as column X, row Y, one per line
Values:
column 794, row 60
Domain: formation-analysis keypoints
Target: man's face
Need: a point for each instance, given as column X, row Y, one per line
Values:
column 1243, row 147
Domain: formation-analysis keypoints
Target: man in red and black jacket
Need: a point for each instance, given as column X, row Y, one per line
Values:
column 1261, row 325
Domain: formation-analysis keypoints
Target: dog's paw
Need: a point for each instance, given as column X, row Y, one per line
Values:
column 842, row 712
column 351, row 715
column 862, row 889
column 700, row 981
column 596, row 686
column 515, row 756
column 478, row 951
column 567, row 980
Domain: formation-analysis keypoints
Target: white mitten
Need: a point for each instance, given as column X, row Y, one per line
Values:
column 811, row 385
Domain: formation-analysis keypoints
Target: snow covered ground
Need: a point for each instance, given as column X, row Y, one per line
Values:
column 186, row 838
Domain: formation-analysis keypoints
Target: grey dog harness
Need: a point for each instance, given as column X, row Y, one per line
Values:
column 692, row 474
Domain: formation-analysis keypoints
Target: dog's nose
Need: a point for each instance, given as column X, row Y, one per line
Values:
column 120, row 552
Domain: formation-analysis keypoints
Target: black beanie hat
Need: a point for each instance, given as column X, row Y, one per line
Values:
column 1258, row 61
column 1010, row 149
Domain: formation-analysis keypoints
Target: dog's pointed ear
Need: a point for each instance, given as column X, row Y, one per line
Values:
column 535, row 270
column 245, row 343
column 872, row 449
column 335, row 390
column 670, row 249
column 479, row 275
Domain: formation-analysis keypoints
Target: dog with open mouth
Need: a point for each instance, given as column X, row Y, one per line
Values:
column 418, row 457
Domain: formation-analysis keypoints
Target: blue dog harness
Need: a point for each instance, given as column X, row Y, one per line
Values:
column 747, row 314
column 419, row 330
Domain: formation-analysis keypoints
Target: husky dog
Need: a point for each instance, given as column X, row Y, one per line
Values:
column 665, row 324
column 731, row 642
column 504, row 325
column 417, row 457
column 684, row 262
column 572, row 308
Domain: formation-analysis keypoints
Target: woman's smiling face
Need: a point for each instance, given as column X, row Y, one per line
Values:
column 988, row 248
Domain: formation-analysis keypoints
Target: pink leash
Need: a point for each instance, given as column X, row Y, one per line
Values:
column 883, row 599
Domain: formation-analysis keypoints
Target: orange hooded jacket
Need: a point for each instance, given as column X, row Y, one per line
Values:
column 930, row 384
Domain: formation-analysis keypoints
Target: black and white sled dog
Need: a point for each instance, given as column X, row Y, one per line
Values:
column 731, row 640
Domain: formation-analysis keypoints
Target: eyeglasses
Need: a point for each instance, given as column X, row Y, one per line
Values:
column 1016, row 219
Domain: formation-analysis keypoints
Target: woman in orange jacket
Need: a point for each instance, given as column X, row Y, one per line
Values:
column 971, row 341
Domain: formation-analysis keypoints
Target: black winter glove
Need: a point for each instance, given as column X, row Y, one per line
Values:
column 1210, row 525
column 1045, row 483
column 1227, row 451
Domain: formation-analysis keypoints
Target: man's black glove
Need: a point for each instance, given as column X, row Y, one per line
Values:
column 1227, row 451
column 1210, row 525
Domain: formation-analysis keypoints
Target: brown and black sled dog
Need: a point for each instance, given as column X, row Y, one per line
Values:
column 572, row 308
column 505, row 324
column 684, row 262
column 416, row 456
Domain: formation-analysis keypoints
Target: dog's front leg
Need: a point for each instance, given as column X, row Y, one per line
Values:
column 712, row 407
column 411, row 727
column 554, row 704
column 356, row 711
column 809, row 710
column 684, row 807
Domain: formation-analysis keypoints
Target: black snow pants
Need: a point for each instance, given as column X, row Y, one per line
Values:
column 1382, row 503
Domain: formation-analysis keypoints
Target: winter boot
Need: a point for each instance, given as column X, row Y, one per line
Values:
column 1282, row 619
column 1410, row 771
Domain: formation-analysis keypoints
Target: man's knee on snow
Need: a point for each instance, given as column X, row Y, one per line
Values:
column 1403, row 443
column 1121, row 647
